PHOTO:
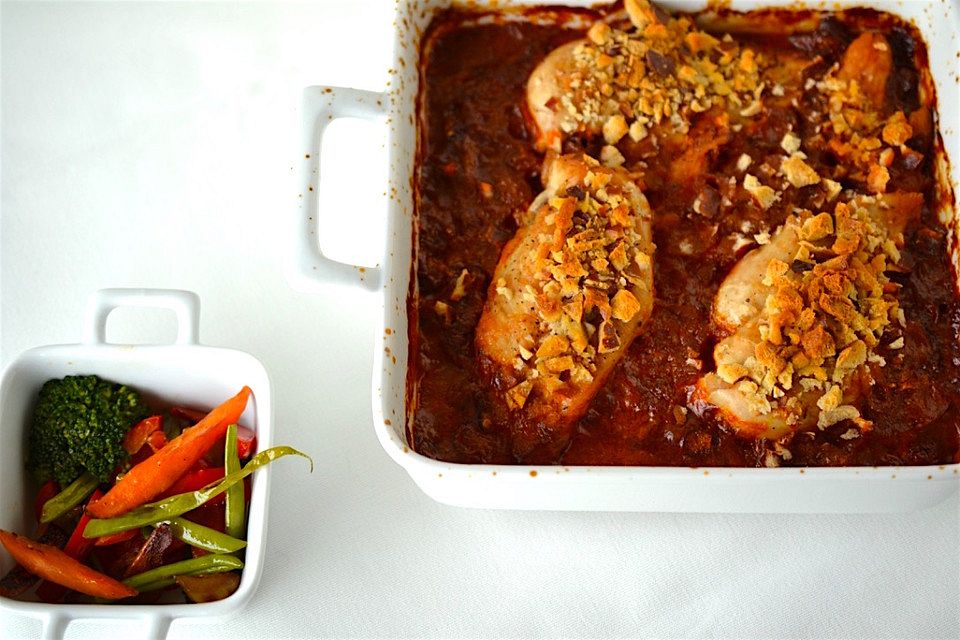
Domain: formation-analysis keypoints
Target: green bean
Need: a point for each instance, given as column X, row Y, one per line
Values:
column 233, row 508
column 201, row 537
column 179, row 504
column 75, row 493
column 153, row 586
column 165, row 575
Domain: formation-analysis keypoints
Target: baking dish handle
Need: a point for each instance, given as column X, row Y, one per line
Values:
column 185, row 304
column 308, row 268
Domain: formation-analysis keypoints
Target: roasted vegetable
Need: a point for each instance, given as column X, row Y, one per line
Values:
column 166, row 575
column 49, row 489
column 201, row 537
column 209, row 587
column 196, row 479
column 79, row 425
column 152, row 551
column 246, row 438
column 180, row 504
column 177, row 477
column 54, row 565
column 137, row 436
column 156, row 474
column 113, row 538
column 74, row 494
column 78, row 548
column 235, row 514
column 18, row 579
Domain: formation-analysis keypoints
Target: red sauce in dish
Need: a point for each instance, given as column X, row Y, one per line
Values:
column 478, row 171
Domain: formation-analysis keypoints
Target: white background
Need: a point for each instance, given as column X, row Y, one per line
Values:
column 153, row 145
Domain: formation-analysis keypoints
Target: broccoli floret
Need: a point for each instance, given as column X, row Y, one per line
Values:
column 79, row 425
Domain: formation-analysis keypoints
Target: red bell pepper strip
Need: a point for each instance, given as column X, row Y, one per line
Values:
column 190, row 415
column 138, row 434
column 114, row 538
column 246, row 442
column 77, row 546
column 210, row 515
column 49, row 489
column 157, row 473
column 53, row 564
column 194, row 480
column 157, row 440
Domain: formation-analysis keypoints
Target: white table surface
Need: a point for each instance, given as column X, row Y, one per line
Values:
column 152, row 145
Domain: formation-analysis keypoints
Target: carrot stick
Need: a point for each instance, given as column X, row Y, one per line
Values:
column 157, row 473
column 246, row 438
column 52, row 564
column 78, row 548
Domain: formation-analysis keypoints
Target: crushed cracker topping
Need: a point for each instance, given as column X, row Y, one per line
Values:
column 828, row 307
column 764, row 195
column 443, row 310
column 517, row 396
column 623, row 82
column 591, row 266
column 610, row 156
column 855, row 129
column 798, row 172
column 790, row 142
column 460, row 286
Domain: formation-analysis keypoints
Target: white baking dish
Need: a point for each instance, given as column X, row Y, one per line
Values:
column 853, row 489
column 184, row 373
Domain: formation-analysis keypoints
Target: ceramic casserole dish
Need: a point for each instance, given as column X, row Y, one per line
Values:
column 184, row 373
column 811, row 489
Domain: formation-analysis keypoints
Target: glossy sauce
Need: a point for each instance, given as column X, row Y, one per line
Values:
column 478, row 172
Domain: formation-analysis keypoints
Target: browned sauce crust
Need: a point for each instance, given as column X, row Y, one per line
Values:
column 479, row 172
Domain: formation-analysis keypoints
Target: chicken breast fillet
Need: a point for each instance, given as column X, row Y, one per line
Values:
column 570, row 292
column 660, row 75
column 805, row 313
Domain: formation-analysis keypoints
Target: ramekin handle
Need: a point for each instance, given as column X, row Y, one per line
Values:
column 308, row 268
column 54, row 626
column 158, row 625
column 185, row 304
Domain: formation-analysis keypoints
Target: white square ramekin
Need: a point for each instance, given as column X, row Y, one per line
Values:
column 812, row 489
column 184, row 373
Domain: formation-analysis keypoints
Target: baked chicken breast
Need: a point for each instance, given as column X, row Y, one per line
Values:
column 805, row 313
column 657, row 75
column 570, row 292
